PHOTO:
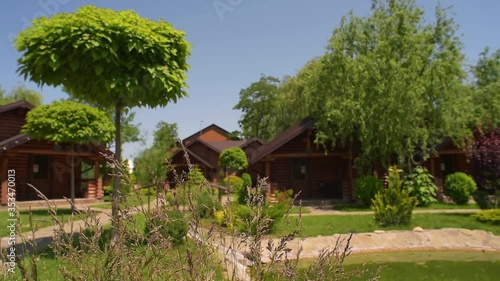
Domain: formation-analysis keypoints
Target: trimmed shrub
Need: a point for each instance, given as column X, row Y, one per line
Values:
column 206, row 203
column 284, row 196
column 169, row 224
column 367, row 187
column 489, row 216
column 420, row 184
column 247, row 180
column 486, row 201
column 459, row 186
column 275, row 212
column 233, row 182
column 196, row 176
column 234, row 159
column 220, row 217
column 242, row 193
column 394, row 205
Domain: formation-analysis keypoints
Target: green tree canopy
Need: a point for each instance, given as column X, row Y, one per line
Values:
column 20, row 92
column 233, row 158
column 113, row 59
column 294, row 101
column 130, row 131
column 394, row 82
column 106, row 57
column 487, row 89
column 68, row 121
column 153, row 158
column 256, row 102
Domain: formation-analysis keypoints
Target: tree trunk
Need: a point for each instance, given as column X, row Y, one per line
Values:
column 72, row 178
column 116, row 179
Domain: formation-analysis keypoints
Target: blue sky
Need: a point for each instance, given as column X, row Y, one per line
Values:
column 234, row 41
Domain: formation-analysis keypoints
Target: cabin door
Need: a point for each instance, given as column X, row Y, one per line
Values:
column 300, row 177
column 40, row 176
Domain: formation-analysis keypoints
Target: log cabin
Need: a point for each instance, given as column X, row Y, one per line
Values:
column 292, row 161
column 203, row 149
column 45, row 165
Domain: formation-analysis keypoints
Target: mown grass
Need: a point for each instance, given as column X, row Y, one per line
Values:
column 433, row 206
column 297, row 209
column 49, row 266
column 425, row 265
column 131, row 201
column 40, row 217
column 329, row 225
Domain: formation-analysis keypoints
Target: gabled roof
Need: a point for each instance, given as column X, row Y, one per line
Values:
column 192, row 154
column 217, row 146
column 13, row 142
column 16, row 105
column 252, row 140
column 200, row 132
column 20, row 139
column 220, row 146
column 281, row 139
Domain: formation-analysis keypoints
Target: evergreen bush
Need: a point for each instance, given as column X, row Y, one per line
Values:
column 394, row 205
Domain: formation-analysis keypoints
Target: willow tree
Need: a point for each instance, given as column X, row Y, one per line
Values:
column 294, row 102
column 69, row 122
column 114, row 59
column 394, row 82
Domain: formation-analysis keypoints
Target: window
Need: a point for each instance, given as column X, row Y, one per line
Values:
column 40, row 167
column 88, row 171
column 299, row 169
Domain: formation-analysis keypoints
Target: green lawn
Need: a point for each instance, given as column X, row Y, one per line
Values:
column 296, row 209
column 49, row 267
column 172, row 258
column 329, row 225
column 40, row 217
column 433, row 206
column 131, row 201
column 425, row 265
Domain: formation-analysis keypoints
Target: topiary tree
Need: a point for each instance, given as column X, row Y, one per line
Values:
column 68, row 121
column 113, row 59
column 394, row 205
column 233, row 159
column 459, row 186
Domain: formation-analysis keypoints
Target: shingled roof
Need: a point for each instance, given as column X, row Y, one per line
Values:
column 16, row 105
column 281, row 139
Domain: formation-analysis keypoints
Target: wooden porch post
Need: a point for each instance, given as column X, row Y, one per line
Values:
column 351, row 179
column 4, row 180
column 98, row 180
column 268, row 174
